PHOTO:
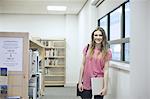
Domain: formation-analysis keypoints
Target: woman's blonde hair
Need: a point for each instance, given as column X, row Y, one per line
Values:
column 104, row 44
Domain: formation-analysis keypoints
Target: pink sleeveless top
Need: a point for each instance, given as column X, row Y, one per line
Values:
column 93, row 67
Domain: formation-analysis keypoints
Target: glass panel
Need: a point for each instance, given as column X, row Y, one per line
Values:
column 116, row 51
column 104, row 24
column 127, row 20
column 127, row 52
column 115, row 24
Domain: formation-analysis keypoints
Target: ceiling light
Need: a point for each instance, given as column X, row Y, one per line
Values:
column 57, row 8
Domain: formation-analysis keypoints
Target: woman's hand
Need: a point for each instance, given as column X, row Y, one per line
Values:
column 80, row 86
column 103, row 92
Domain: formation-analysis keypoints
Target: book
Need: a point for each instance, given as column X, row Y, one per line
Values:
column 3, row 89
column 97, row 85
column 3, row 80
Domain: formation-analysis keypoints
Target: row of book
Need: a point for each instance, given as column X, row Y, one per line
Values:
column 53, row 62
column 56, row 71
column 54, row 52
column 48, row 43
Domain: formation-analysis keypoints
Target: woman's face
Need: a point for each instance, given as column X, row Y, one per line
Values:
column 98, row 37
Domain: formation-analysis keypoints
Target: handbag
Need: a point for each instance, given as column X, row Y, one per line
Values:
column 78, row 92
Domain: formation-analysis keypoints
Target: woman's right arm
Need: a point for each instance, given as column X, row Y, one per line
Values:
column 81, row 74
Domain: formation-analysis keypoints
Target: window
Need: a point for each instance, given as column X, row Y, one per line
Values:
column 127, row 20
column 104, row 24
column 127, row 46
column 127, row 30
column 117, row 26
column 116, row 49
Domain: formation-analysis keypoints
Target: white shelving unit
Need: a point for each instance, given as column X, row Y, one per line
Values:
column 54, row 61
column 35, row 85
column 37, row 68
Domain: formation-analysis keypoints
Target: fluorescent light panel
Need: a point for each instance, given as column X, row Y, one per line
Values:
column 57, row 8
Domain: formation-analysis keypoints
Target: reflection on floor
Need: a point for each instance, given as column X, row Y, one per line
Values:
column 60, row 93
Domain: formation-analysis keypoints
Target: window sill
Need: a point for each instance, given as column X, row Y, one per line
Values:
column 120, row 66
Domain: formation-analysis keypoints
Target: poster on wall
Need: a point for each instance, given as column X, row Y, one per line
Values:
column 11, row 50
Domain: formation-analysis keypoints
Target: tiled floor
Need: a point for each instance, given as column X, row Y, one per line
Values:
column 60, row 93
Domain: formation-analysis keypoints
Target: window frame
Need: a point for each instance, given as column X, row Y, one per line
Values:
column 99, row 22
column 123, row 40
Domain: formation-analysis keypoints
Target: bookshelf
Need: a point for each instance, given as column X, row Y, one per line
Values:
column 15, row 57
column 35, row 45
column 54, row 61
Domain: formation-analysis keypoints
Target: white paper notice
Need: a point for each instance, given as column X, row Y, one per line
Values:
column 11, row 50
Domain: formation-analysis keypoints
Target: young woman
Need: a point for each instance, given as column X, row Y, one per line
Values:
column 95, row 63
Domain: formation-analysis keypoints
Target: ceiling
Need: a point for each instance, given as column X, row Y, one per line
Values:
column 39, row 6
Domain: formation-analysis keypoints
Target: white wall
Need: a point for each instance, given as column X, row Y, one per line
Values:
column 139, row 49
column 71, row 49
column 149, row 51
column 119, row 80
column 45, row 26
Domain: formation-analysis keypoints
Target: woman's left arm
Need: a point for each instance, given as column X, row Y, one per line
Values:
column 106, row 73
